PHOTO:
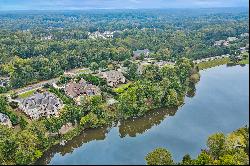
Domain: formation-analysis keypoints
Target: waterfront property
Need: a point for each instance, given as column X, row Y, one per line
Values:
column 41, row 105
column 210, row 106
column 113, row 77
column 4, row 120
column 75, row 89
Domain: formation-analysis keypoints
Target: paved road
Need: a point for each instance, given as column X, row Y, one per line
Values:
column 41, row 84
column 35, row 86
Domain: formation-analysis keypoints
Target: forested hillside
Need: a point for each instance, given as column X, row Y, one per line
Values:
column 40, row 45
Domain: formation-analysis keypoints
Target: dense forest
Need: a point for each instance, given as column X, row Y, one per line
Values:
column 27, row 55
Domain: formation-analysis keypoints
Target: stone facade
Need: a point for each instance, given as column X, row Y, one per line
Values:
column 74, row 89
column 41, row 105
column 113, row 77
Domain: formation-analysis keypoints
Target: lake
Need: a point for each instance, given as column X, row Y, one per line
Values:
column 219, row 104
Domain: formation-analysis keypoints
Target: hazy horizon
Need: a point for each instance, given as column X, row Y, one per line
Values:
column 8, row 5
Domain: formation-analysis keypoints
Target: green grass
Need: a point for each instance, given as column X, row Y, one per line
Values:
column 83, row 71
column 122, row 88
column 213, row 63
column 244, row 61
column 26, row 94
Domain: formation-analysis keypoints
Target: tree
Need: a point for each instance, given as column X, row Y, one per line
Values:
column 184, row 67
column 103, row 64
column 194, row 78
column 94, row 66
column 127, row 63
column 90, row 120
column 64, row 79
column 132, row 71
column 229, row 150
column 13, row 95
column 186, row 160
column 26, row 151
column 170, row 99
column 151, row 72
column 203, row 159
column 240, row 158
column 7, row 145
column 159, row 156
column 216, row 144
column 163, row 54
column 23, row 123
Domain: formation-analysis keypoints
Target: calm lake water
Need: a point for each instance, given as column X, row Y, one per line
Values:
column 220, row 104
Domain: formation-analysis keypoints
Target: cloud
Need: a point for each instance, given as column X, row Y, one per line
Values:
column 89, row 4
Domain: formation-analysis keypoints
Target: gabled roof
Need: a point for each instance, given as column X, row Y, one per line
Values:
column 74, row 89
column 138, row 52
column 41, row 104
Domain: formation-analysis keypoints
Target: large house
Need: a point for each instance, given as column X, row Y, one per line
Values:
column 108, row 34
column 138, row 53
column 41, row 105
column 74, row 89
column 4, row 120
column 113, row 77
column 221, row 42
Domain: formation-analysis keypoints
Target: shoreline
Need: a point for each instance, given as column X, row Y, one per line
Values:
column 79, row 130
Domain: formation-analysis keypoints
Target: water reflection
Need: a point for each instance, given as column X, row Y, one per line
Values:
column 191, row 90
column 76, row 142
column 219, row 104
column 139, row 125
column 130, row 127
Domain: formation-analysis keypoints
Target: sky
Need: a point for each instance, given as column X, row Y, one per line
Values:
column 115, row 4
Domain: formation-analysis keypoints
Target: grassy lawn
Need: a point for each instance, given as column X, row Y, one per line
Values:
column 244, row 61
column 26, row 94
column 83, row 71
column 213, row 63
column 122, row 87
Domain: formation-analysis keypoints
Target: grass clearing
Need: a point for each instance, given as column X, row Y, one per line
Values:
column 26, row 94
column 122, row 88
column 246, row 60
column 213, row 63
column 81, row 71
